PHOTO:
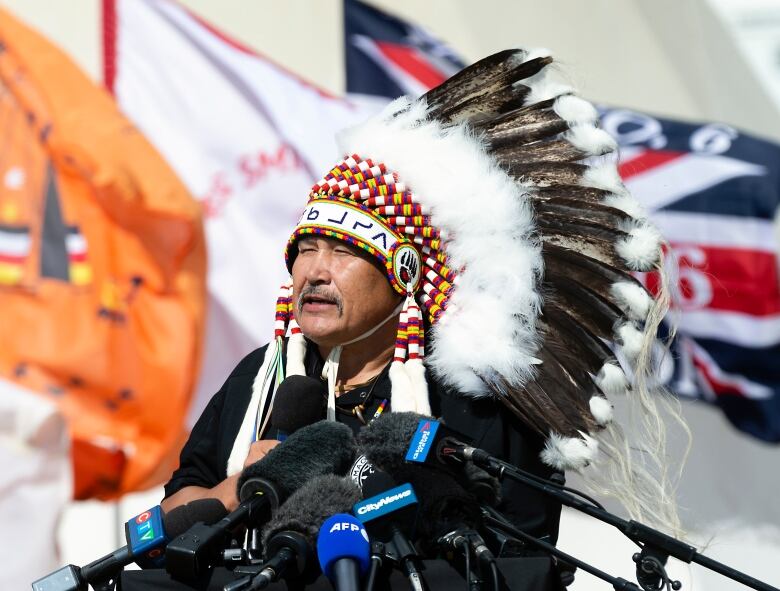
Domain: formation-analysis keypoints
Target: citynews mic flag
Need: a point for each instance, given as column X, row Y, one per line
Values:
column 247, row 137
column 101, row 269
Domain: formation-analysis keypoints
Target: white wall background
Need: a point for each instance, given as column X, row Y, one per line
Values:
column 694, row 59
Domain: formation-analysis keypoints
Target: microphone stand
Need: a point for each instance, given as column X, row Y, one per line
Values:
column 656, row 546
column 401, row 554
column 618, row 583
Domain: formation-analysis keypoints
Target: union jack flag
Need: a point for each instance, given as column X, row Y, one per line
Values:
column 714, row 193
column 712, row 190
column 388, row 57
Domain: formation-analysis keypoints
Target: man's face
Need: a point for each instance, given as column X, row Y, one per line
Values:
column 339, row 292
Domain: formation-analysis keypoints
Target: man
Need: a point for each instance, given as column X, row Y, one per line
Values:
column 344, row 294
column 468, row 216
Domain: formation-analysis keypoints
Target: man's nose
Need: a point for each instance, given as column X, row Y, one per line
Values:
column 318, row 272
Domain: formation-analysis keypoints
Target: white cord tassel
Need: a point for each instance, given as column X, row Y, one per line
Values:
column 331, row 371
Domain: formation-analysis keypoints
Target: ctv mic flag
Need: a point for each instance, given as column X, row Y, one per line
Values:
column 247, row 138
column 714, row 193
column 102, row 259
column 388, row 57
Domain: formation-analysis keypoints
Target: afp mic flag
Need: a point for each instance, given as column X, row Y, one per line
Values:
column 714, row 193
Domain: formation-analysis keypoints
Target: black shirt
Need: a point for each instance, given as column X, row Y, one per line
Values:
column 489, row 425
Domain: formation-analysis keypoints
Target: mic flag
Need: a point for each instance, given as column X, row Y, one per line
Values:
column 147, row 534
column 146, row 537
column 389, row 501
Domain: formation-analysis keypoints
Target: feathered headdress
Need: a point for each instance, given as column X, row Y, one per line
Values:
column 495, row 207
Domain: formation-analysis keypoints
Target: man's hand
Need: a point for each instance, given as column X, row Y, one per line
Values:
column 225, row 491
column 259, row 449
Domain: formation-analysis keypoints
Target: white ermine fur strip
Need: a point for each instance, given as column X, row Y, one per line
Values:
column 296, row 352
column 401, row 389
column 633, row 299
column 490, row 324
column 569, row 453
column 416, row 372
column 601, row 410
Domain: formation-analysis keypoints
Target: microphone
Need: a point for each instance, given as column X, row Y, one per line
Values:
column 325, row 447
column 146, row 534
column 300, row 401
column 450, row 516
column 289, row 537
column 343, row 551
column 403, row 438
column 389, row 512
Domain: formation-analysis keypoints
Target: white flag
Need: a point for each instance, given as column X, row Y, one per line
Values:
column 247, row 137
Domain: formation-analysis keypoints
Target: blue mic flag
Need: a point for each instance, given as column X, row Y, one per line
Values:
column 342, row 536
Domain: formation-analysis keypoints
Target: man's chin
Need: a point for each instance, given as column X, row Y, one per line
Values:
column 321, row 334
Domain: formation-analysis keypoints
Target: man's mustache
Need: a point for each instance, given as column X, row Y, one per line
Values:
column 321, row 293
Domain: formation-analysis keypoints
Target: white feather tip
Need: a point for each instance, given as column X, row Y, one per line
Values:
column 631, row 340
column 601, row 409
column 633, row 299
column 641, row 249
column 611, row 380
column 569, row 453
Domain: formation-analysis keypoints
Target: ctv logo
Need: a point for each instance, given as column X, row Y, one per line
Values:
column 422, row 441
column 144, row 527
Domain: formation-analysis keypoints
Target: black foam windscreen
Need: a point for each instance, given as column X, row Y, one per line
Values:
column 326, row 447
column 443, row 501
column 386, row 440
column 444, row 504
column 179, row 520
column 376, row 483
column 309, row 506
column 300, row 401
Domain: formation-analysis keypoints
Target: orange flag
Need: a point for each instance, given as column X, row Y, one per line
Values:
column 102, row 269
